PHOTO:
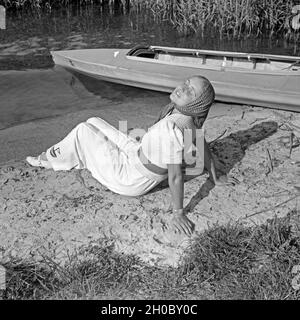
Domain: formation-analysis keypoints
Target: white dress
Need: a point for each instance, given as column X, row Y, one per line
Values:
column 112, row 156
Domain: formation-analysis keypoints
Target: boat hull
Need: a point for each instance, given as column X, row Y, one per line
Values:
column 279, row 90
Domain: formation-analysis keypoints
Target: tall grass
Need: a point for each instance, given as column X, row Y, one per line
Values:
column 38, row 4
column 231, row 18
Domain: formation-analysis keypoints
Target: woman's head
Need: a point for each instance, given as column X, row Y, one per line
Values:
column 194, row 97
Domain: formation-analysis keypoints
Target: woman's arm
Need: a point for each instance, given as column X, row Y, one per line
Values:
column 175, row 179
column 176, row 184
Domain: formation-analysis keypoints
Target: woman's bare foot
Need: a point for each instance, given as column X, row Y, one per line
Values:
column 40, row 161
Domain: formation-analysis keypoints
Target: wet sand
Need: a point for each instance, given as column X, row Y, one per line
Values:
column 38, row 107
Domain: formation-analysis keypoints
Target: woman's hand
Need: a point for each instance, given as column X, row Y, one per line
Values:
column 226, row 181
column 180, row 222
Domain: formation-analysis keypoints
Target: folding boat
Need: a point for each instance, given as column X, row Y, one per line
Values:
column 246, row 78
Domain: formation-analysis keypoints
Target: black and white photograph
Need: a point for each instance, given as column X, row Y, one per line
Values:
column 149, row 151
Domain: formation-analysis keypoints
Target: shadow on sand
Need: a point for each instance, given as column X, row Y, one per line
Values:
column 228, row 151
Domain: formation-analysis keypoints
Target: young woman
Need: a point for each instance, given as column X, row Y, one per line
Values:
column 132, row 168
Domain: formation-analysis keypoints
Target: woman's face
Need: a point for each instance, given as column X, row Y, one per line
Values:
column 186, row 92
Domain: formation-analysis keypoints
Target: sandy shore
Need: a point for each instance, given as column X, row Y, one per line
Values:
column 51, row 214
column 46, row 214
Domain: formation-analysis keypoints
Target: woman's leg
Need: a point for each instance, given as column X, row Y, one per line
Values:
column 72, row 152
column 86, row 146
column 84, row 141
column 114, row 135
column 40, row 161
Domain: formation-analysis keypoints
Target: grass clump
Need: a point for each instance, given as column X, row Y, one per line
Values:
column 225, row 262
column 248, row 263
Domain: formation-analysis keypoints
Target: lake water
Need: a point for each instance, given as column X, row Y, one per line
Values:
column 28, row 95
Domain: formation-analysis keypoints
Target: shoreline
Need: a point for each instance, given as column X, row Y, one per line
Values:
column 34, row 51
column 43, row 105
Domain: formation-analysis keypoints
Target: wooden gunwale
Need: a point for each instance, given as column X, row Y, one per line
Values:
column 215, row 68
column 226, row 53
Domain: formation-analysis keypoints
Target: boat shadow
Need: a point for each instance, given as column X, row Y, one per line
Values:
column 109, row 90
column 227, row 152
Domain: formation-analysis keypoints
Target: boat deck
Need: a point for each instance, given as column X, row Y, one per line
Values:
column 217, row 59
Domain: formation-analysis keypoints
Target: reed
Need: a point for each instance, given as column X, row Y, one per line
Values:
column 34, row 4
column 232, row 18
column 229, row 18
column 43, row 4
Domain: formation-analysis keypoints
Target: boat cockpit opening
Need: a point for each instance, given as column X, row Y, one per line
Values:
column 142, row 52
column 215, row 59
